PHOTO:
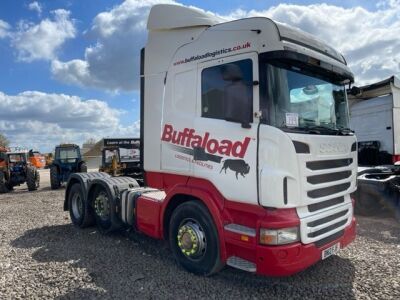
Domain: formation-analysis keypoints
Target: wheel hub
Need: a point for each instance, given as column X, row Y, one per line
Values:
column 191, row 239
column 101, row 206
column 77, row 205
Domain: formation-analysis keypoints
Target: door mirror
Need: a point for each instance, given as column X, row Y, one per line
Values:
column 355, row 91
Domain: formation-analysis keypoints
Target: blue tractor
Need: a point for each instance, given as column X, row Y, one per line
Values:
column 67, row 160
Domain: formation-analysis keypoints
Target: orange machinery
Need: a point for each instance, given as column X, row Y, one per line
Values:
column 37, row 159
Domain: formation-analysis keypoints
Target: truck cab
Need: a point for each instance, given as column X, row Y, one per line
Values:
column 245, row 146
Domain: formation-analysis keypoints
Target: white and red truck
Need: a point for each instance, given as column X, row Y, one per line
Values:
column 245, row 148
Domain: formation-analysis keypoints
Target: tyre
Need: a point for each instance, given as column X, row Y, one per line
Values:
column 194, row 239
column 83, row 168
column 32, row 178
column 3, row 185
column 104, row 211
column 79, row 212
column 54, row 181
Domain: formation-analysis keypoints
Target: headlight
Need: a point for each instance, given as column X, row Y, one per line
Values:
column 279, row 236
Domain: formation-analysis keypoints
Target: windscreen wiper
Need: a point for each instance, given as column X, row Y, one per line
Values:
column 336, row 131
column 320, row 129
column 302, row 129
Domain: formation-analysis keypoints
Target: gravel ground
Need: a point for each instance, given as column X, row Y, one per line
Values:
column 43, row 256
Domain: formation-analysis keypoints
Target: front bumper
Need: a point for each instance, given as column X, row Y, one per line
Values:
column 290, row 259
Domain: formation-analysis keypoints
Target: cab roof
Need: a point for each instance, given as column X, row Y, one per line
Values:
column 67, row 145
column 173, row 16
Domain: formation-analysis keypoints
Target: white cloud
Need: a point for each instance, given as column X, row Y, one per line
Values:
column 42, row 41
column 35, row 6
column 368, row 39
column 4, row 29
column 113, row 62
column 41, row 120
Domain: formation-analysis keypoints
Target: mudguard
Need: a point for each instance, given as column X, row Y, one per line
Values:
column 84, row 179
column 113, row 185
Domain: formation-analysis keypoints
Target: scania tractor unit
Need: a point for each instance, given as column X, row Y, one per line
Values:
column 246, row 153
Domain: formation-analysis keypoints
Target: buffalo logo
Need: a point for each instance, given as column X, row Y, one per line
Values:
column 239, row 166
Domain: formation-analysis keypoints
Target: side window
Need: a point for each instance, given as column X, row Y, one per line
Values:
column 228, row 82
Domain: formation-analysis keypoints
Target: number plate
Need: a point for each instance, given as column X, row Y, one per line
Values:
column 331, row 250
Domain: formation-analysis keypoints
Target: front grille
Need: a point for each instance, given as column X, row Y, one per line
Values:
column 317, row 179
column 321, row 225
column 326, row 185
column 327, row 219
column 325, row 204
column 329, row 164
column 328, row 190
column 327, row 229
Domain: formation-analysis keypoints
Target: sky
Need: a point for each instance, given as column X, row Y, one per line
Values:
column 70, row 68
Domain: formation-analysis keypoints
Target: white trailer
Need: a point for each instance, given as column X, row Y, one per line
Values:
column 375, row 117
column 246, row 153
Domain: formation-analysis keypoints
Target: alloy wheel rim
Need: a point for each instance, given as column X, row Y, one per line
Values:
column 191, row 239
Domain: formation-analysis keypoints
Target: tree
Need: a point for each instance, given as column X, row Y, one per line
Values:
column 4, row 141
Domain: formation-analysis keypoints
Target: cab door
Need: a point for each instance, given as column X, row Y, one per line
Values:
column 178, row 113
column 227, row 154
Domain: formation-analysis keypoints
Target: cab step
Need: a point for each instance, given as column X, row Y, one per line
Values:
column 242, row 264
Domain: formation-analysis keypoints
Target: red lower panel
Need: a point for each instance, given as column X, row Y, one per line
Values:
column 288, row 260
column 148, row 216
column 270, row 260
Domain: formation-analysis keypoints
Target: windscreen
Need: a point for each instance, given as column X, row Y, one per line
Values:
column 298, row 99
column 129, row 155
column 68, row 155
column 109, row 154
column 16, row 158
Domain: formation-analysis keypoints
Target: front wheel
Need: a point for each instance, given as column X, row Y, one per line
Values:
column 32, row 178
column 194, row 239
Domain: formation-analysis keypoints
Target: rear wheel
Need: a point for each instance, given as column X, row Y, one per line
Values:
column 194, row 239
column 80, row 213
column 3, row 185
column 101, row 205
column 32, row 178
column 54, row 181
